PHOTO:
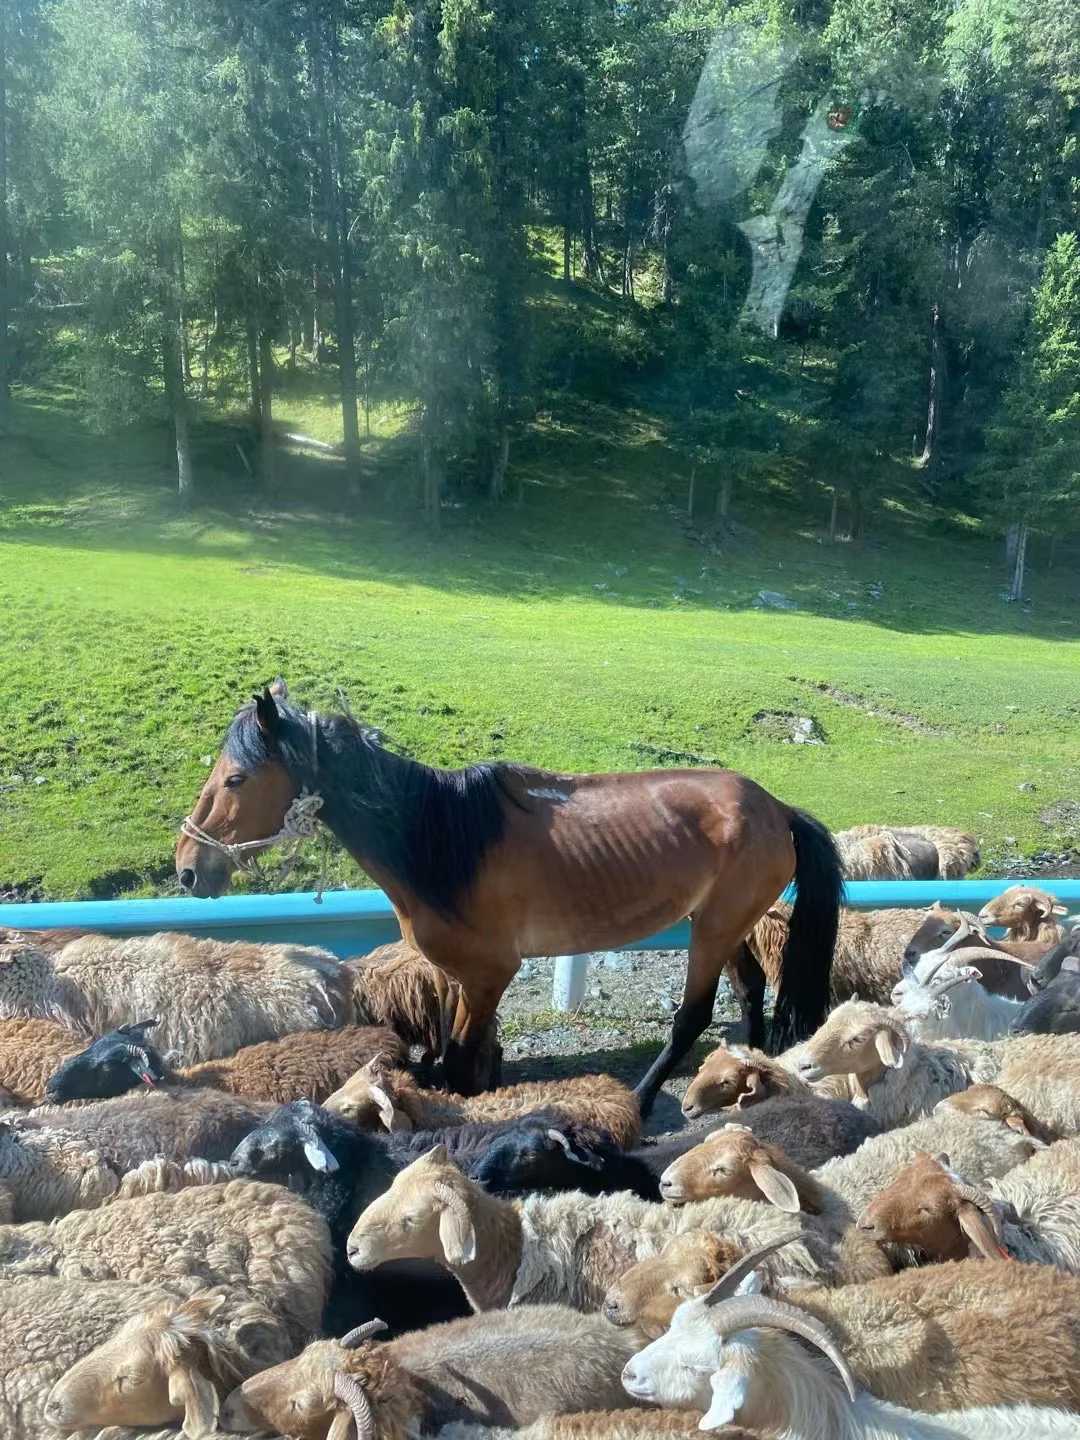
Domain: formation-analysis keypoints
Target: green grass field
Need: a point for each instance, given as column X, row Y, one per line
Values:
column 564, row 631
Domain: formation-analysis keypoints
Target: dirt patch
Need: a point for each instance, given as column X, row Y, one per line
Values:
column 619, row 1029
column 1062, row 815
column 868, row 707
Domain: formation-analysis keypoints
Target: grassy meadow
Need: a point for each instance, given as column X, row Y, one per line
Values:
column 566, row 629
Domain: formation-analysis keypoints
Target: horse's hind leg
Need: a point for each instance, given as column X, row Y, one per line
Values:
column 748, row 981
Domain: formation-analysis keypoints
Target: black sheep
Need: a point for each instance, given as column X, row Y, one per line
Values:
column 1054, row 1010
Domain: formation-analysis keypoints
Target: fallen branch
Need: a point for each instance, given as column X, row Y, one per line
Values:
column 316, row 444
column 687, row 756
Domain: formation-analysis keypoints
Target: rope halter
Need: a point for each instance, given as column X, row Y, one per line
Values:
column 299, row 823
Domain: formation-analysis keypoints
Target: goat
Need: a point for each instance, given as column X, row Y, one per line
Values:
column 900, row 1080
column 499, row 1368
column 307, row 1065
column 906, row 852
column 990, row 1102
column 176, row 1125
column 242, row 1234
column 210, row 996
column 1032, row 1215
column 565, row 1249
column 866, row 961
column 942, row 1339
column 30, row 1051
column 1025, row 912
column 1000, row 973
column 380, row 1096
column 939, row 996
column 172, row 1361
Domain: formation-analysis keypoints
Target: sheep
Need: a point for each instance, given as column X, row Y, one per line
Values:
column 565, row 1249
column 611, row 1425
column 30, row 1050
column 307, row 1065
column 379, row 1096
column 242, row 1234
column 175, row 1360
column 504, row 1369
column 1032, row 1215
column 866, row 961
column 811, row 1128
column 211, row 996
column 738, row 1075
column 207, row 1124
column 1000, row 974
column 1025, row 912
column 1054, row 961
column 543, row 1159
column 647, row 1295
column 911, row 852
column 733, row 1161
column 900, row 1080
column 398, row 987
column 992, row 1103
column 944, row 1339
column 49, row 1173
column 1054, row 1010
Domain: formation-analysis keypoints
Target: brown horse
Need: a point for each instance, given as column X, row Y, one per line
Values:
column 495, row 862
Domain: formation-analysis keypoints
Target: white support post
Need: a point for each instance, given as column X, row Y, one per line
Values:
column 571, row 974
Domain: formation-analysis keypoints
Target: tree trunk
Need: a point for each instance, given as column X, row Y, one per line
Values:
column 933, row 408
column 628, row 267
column 172, row 369
column 5, row 301
column 723, row 498
column 855, row 505
column 499, row 463
column 834, row 514
column 432, row 468
column 693, row 486
column 181, row 282
column 566, row 253
column 266, row 408
column 254, row 388
column 1012, row 540
column 1016, row 589
column 1051, row 555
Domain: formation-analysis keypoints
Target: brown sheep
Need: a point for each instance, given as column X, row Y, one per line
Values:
column 30, row 1050
column 308, row 1065
column 733, row 1161
column 172, row 1361
column 992, row 1103
column 648, row 1294
column 906, row 852
column 1026, row 913
column 738, row 1075
column 503, row 1367
column 610, row 1425
column 378, row 1096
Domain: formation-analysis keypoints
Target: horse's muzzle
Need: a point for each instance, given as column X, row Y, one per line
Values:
column 202, row 872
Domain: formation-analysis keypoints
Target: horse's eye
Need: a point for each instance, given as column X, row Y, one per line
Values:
column 232, row 782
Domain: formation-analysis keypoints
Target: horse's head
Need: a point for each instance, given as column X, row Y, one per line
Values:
column 245, row 798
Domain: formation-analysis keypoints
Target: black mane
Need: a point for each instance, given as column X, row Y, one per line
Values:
column 428, row 828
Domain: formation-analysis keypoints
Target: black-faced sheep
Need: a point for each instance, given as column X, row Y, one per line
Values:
column 308, row 1065
column 210, row 996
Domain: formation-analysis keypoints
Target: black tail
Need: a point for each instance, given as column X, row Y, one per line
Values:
column 803, row 1001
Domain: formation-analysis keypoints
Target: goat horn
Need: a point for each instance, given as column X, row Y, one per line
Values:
column 982, row 1201
column 961, row 933
column 449, row 1196
column 349, row 1391
column 744, row 1312
column 363, row 1332
column 728, row 1283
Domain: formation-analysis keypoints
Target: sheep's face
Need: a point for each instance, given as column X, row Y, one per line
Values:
column 1022, row 909
column 151, row 1372
column 726, row 1078
column 924, row 1208
column 933, row 932
column 857, row 1039
column 288, row 1144
column 649, row 1293
column 424, row 1215
column 112, row 1065
column 366, row 1100
column 296, row 1398
column 988, row 1102
column 730, row 1162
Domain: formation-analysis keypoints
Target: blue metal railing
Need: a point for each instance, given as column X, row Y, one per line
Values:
column 351, row 922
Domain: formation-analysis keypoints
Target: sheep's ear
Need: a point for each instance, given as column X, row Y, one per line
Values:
column 729, row 1388
column 196, row 1396
column 977, row 1228
column 777, row 1187
column 319, row 1157
column 1059, row 910
column 457, row 1236
column 436, row 1155
column 890, row 1046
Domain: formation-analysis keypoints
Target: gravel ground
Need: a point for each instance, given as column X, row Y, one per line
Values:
column 630, row 998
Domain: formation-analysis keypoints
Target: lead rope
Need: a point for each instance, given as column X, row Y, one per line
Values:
column 299, row 824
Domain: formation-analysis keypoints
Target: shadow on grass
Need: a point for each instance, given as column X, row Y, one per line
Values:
column 600, row 517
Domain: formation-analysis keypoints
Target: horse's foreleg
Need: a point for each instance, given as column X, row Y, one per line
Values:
column 473, row 1059
column 748, row 981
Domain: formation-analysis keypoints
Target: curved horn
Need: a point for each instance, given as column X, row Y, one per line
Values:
column 746, row 1312
column 959, row 935
column 728, row 1283
column 983, row 1202
column 450, row 1197
column 352, row 1338
column 349, row 1391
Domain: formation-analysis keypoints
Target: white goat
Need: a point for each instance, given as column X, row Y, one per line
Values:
column 939, row 996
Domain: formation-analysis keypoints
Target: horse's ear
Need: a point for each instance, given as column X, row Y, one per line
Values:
column 266, row 715
column 279, row 690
